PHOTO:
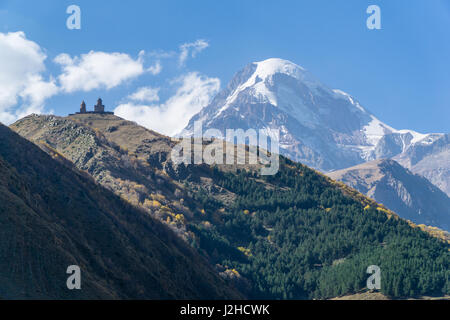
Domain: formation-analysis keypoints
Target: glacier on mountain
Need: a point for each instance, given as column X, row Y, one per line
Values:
column 327, row 129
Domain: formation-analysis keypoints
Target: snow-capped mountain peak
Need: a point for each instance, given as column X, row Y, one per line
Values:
column 260, row 83
column 267, row 68
column 323, row 128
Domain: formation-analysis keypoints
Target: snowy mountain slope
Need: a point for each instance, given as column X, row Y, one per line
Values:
column 409, row 195
column 430, row 158
column 323, row 128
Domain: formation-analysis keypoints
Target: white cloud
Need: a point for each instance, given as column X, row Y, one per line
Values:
column 194, row 92
column 97, row 70
column 145, row 94
column 23, row 89
column 155, row 69
column 36, row 92
column 161, row 54
column 191, row 49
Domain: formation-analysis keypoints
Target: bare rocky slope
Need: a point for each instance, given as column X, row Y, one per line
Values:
column 127, row 159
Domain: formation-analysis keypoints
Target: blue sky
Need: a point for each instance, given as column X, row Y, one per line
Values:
column 401, row 73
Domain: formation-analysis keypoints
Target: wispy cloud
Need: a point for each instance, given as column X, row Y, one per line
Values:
column 161, row 54
column 145, row 94
column 193, row 93
column 155, row 69
column 191, row 50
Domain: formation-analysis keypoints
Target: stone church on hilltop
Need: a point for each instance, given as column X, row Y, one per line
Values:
column 99, row 108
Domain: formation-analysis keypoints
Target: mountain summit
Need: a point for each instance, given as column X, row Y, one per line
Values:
column 321, row 127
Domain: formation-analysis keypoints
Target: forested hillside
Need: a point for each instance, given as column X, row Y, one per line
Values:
column 295, row 235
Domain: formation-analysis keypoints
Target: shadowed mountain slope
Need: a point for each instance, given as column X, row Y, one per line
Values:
column 53, row 216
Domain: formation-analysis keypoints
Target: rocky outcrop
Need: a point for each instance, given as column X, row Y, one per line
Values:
column 409, row 195
column 430, row 160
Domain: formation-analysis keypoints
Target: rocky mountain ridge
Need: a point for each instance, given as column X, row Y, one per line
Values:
column 324, row 128
column 411, row 196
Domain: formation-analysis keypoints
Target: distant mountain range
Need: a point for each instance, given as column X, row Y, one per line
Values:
column 411, row 196
column 294, row 235
column 320, row 127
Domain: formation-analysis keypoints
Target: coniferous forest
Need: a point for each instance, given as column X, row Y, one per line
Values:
column 295, row 235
